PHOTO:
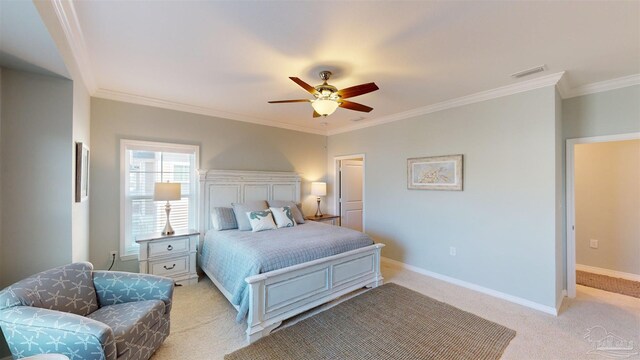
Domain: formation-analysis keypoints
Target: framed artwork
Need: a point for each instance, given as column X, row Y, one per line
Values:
column 82, row 172
column 435, row 173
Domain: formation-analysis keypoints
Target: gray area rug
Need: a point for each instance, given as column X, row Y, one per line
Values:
column 388, row 322
column 608, row 283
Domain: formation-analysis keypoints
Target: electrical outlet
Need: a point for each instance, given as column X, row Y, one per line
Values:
column 452, row 251
column 593, row 243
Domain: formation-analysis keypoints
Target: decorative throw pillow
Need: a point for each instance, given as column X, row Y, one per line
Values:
column 261, row 220
column 296, row 209
column 241, row 211
column 283, row 217
column 223, row 218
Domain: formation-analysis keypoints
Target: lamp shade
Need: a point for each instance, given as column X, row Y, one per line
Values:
column 166, row 191
column 324, row 107
column 318, row 188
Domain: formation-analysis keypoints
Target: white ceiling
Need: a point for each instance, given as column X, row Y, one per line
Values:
column 25, row 42
column 233, row 57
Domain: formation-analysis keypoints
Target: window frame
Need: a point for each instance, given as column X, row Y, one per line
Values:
column 128, row 252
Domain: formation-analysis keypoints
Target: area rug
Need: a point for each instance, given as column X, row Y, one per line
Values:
column 608, row 283
column 388, row 322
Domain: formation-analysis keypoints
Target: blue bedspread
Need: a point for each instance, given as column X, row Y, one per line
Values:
column 232, row 255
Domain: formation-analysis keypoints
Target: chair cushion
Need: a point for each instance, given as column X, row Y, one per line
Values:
column 132, row 323
column 67, row 288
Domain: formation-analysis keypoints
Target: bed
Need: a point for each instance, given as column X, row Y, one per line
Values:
column 273, row 275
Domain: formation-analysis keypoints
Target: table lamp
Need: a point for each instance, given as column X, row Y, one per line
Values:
column 167, row 192
column 318, row 189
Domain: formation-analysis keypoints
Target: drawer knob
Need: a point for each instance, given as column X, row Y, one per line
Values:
column 169, row 268
column 169, row 247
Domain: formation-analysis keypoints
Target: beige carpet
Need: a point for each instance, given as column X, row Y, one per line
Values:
column 390, row 322
column 608, row 283
column 203, row 326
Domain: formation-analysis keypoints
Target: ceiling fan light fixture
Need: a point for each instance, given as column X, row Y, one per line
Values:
column 325, row 107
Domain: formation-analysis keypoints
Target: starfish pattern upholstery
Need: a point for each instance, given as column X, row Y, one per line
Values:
column 86, row 314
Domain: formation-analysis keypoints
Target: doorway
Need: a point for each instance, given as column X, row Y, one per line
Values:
column 350, row 199
column 592, row 242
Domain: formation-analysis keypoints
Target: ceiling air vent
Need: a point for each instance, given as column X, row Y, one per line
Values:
column 526, row 72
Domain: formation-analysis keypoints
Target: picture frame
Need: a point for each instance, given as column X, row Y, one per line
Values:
column 435, row 173
column 82, row 172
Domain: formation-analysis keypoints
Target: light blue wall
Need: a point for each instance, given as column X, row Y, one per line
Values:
column 606, row 113
column 224, row 144
column 36, row 145
column 504, row 223
column 37, row 148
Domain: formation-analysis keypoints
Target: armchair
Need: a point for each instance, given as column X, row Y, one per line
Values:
column 86, row 314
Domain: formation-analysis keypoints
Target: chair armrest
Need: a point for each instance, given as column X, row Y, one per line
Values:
column 116, row 287
column 31, row 330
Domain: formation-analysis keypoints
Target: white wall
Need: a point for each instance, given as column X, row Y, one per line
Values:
column 224, row 144
column 607, row 191
column 504, row 223
column 36, row 171
column 81, row 133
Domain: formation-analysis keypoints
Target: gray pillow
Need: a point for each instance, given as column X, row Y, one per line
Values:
column 223, row 218
column 296, row 209
column 241, row 211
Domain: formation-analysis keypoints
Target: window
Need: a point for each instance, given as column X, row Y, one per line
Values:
column 143, row 164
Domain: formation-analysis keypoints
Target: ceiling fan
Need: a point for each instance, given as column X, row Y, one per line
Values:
column 328, row 98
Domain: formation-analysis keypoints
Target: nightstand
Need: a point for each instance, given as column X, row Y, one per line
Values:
column 172, row 256
column 334, row 219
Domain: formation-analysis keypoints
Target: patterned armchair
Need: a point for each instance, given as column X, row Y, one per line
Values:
column 86, row 314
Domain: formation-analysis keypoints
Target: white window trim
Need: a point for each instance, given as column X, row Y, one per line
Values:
column 125, row 254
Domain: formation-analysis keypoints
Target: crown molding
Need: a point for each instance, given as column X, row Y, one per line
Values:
column 601, row 86
column 66, row 15
column 201, row 110
column 540, row 82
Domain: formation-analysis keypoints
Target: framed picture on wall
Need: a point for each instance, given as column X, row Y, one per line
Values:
column 82, row 172
column 435, row 173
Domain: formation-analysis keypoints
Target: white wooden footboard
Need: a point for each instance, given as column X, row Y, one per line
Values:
column 281, row 294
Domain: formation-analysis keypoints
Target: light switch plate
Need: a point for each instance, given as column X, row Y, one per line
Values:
column 593, row 243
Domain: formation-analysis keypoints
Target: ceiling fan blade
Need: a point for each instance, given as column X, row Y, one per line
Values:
column 288, row 101
column 315, row 114
column 305, row 86
column 354, row 106
column 357, row 90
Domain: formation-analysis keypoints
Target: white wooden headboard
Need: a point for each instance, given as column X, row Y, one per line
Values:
column 220, row 188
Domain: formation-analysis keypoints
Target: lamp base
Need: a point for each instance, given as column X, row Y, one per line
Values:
column 168, row 230
column 318, row 212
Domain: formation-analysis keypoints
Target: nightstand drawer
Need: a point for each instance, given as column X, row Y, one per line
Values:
column 170, row 267
column 168, row 247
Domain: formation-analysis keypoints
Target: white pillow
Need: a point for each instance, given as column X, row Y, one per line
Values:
column 283, row 216
column 261, row 220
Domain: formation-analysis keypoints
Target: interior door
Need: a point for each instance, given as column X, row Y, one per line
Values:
column 351, row 199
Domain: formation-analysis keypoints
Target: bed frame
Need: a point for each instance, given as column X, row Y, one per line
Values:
column 280, row 294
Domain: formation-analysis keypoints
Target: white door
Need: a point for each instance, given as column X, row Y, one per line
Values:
column 351, row 201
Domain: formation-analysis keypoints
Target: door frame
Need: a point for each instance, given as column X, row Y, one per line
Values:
column 336, row 176
column 570, row 199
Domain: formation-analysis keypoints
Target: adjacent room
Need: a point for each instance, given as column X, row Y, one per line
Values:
column 319, row 180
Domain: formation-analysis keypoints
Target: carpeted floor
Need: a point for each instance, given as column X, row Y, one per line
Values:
column 390, row 322
column 203, row 326
column 608, row 283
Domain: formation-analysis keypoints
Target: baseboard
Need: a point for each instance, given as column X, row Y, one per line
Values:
column 607, row 272
column 563, row 295
column 514, row 299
